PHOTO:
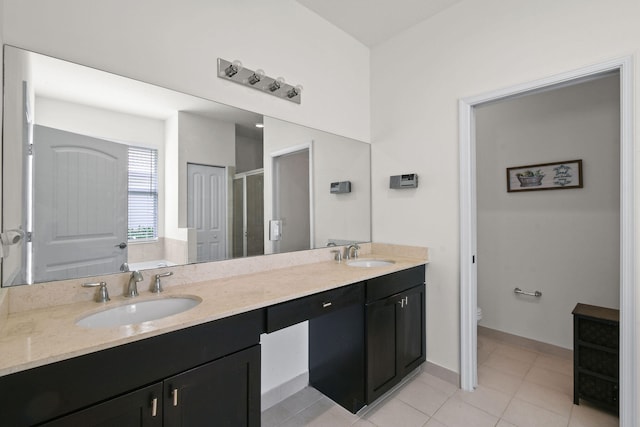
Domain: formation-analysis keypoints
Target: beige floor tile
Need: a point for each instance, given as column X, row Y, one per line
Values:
column 507, row 364
column 422, row 396
column 516, row 352
column 584, row 415
column 396, row 413
column 551, row 379
column 487, row 399
column 457, row 413
column 546, row 398
column 275, row 416
column 301, row 400
column 434, row 423
column 555, row 364
column 505, row 383
column 503, row 423
column 524, row 414
column 437, row 383
column 487, row 344
column 363, row 423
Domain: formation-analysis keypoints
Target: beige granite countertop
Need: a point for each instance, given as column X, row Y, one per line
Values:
column 39, row 336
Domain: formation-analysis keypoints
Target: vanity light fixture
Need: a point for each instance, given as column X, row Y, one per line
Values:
column 260, row 125
column 235, row 72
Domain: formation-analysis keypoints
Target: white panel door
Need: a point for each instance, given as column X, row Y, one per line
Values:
column 206, row 210
column 79, row 205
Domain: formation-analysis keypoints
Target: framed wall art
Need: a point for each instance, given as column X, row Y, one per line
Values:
column 545, row 176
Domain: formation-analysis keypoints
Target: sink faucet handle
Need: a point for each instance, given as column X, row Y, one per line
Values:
column 157, row 286
column 338, row 255
column 103, row 293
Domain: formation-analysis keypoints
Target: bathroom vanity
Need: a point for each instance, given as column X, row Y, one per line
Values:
column 366, row 332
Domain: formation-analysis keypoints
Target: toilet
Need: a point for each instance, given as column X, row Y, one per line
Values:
column 479, row 315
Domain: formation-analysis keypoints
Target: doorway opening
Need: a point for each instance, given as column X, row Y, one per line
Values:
column 469, row 225
column 291, row 228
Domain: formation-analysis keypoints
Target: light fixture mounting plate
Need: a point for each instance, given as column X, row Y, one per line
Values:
column 244, row 77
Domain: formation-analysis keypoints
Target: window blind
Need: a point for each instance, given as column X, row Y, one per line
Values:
column 143, row 194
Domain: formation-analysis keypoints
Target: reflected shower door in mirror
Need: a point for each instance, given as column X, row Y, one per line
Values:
column 103, row 174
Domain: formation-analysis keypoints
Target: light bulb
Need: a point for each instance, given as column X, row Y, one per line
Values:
column 275, row 85
column 256, row 76
column 294, row 91
column 233, row 69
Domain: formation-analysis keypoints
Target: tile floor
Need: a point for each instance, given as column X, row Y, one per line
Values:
column 517, row 387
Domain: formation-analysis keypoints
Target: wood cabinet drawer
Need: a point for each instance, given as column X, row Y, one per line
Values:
column 291, row 312
column 389, row 284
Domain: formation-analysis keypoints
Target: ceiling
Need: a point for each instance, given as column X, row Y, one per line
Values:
column 375, row 21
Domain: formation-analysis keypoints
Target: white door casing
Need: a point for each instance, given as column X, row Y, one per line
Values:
column 79, row 205
column 206, row 210
column 468, row 229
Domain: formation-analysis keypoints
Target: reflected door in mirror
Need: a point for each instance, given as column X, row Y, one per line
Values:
column 207, row 209
column 80, row 205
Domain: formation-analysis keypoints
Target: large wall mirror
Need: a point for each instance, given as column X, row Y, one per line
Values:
column 102, row 174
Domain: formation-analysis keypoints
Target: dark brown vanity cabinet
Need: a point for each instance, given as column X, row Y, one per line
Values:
column 221, row 392
column 199, row 376
column 395, row 329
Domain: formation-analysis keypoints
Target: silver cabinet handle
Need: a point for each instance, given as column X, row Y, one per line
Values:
column 154, row 407
column 326, row 304
column 174, row 393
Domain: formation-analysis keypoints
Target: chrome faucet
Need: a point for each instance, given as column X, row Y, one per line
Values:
column 103, row 294
column 132, row 289
column 157, row 286
column 347, row 251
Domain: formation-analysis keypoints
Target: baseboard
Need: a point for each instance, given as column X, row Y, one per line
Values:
column 538, row 346
column 444, row 374
column 281, row 392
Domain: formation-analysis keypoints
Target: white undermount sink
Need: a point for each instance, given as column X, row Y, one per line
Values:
column 367, row 263
column 138, row 312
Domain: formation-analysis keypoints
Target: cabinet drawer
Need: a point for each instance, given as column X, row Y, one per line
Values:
column 598, row 361
column 389, row 284
column 598, row 390
column 599, row 332
column 291, row 312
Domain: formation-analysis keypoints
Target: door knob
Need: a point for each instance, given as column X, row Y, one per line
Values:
column 121, row 245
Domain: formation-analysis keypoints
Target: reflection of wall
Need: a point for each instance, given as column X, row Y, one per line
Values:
column 335, row 158
column 248, row 152
column 564, row 243
column 15, row 129
column 204, row 141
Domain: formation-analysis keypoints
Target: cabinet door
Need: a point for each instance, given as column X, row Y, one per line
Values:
column 411, row 332
column 135, row 409
column 395, row 339
column 382, row 345
column 225, row 392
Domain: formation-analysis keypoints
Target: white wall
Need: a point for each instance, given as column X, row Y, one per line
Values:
column 472, row 48
column 176, row 45
column 563, row 243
